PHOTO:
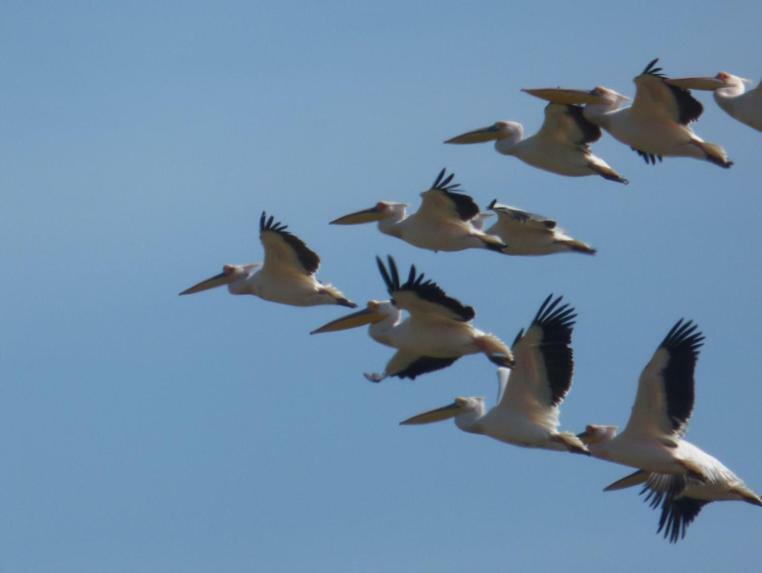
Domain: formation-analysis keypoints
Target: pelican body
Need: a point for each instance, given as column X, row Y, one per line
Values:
column 676, row 473
column 654, row 126
column 526, row 233
column 561, row 146
column 731, row 95
column 530, row 395
column 444, row 221
column 287, row 275
column 436, row 334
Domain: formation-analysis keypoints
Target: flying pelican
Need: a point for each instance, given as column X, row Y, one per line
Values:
column 529, row 234
column 530, row 394
column 561, row 146
column 287, row 275
column 682, row 497
column 676, row 473
column 437, row 332
column 655, row 125
column 442, row 223
column 731, row 95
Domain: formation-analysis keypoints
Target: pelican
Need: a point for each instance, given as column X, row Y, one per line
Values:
column 442, row 223
column 682, row 496
column 654, row 126
column 676, row 473
column 530, row 395
column 525, row 233
column 287, row 275
column 731, row 95
column 561, row 146
column 437, row 332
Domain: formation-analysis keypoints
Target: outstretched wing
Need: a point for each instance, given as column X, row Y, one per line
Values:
column 567, row 124
column 441, row 201
column 285, row 252
column 664, row 401
column 654, row 97
column 542, row 374
column 421, row 298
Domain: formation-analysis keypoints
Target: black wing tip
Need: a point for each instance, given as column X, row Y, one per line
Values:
column 270, row 224
column 390, row 276
column 491, row 205
column 652, row 70
column 442, row 181
column 551, row 314
column 431, row 291
column 685, row 335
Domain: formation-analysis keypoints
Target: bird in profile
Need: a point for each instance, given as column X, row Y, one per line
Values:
column 654, row 126
column 437, row 332
column 731, row 95
column 677, row 474
column 443, row 222
column 526, row 233
column 287, row 275
column 562, row 145
column 530, row 394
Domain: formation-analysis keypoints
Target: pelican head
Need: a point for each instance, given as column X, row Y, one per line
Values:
column 469, row 405
column 595, row 434
column 375, row 311
column 381, row 210
column 496, row 131
column 229, row 274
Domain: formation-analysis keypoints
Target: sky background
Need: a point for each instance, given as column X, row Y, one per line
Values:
column 142, row 431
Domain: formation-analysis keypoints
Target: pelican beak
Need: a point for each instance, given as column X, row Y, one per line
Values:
column 365, row 316
column 701, row 84
column 438, row 415
column 223, row 278
column 365, row 216
column 565, row 96
column 481, row 135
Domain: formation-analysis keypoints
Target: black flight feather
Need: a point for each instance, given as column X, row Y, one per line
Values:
column 683, row 342
column 590, row 131
column 689, row 108
column 557, row 322
column 307, row 257
column 465, row 206
column 423, row 365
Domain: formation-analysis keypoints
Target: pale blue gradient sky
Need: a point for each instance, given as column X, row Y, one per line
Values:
column 147, row 432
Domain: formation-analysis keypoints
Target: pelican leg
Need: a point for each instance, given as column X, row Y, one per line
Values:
column 374, row 377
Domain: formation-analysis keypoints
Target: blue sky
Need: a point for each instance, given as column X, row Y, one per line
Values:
column 149, row 432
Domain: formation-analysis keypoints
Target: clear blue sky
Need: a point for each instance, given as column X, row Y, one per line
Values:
column 142, row 431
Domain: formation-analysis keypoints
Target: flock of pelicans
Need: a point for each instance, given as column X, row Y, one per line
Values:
column 535, row 372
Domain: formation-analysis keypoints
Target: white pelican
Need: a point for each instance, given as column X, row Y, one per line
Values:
column 442, row 223
column 437, row 332
column 655, row 125
column 287, row 275
column 731, row 95
column 525, row 233
column 561, row 146
column 676, row 473
column 530, row 395
column 682, row 496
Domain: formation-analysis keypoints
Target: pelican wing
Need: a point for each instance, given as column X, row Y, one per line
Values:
column 677, row 511
column 664, row 401
column 542, row 374
column 422, row 298
column 655, row 98
column 441, row 201
column 514, row 216
column 284, row 251
column 407, row 365
column 567, row 124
